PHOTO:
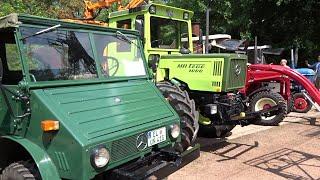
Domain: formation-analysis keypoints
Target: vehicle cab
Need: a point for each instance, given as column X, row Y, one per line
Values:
column 77, row 102
column 165, row 29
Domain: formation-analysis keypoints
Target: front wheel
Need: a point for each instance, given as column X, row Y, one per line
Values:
column 185, row 107
column 265, row 100
column 300, row 103
column 22, row 170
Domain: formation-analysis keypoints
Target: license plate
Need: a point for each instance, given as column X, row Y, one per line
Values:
column 157, row 136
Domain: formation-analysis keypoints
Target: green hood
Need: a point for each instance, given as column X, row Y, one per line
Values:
column 94, row 112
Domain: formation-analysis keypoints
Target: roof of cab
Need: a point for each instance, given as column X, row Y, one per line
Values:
column 15, row 20
column 144, row 8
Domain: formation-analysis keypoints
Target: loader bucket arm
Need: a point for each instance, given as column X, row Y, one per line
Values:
column 294, row 75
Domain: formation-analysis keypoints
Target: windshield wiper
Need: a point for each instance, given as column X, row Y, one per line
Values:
column 43, row 31
column 124, row 37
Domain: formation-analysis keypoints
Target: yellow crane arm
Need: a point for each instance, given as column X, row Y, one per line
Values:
column 132, row 4
column 91, row 7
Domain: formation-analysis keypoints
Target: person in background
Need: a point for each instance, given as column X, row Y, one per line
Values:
column 284, row 62
column 316, row 67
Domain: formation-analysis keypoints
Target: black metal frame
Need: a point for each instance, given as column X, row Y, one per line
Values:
column 159, row 164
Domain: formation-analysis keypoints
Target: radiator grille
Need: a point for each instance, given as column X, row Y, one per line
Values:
column 123, row 148
column 237, row 80
column 216, row 84
column 217, row 68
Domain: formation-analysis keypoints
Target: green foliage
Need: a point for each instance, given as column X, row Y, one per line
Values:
column 281, row 23
column 23, row 6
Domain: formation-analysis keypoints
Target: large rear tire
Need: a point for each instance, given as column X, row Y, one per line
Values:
column 22, row 170
column 185, row 107
column 267, row 99
column 300, row 103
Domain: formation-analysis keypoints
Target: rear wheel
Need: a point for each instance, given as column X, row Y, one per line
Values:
column 22, row 170
column 266, row 100
column 300, row 103
column 185, row 107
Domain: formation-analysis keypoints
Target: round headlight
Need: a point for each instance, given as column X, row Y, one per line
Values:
column 152, row 9
column 175, row 130
column 186, row 16
column 100, row 157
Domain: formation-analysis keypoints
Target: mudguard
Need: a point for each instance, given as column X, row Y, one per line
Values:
column 259, row 90
column 45, row 165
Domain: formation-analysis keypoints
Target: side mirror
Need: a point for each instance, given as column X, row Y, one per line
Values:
column 140, row 26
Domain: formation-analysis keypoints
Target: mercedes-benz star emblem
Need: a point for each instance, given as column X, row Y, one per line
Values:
column 117, row 100
column 142, row 142
column 237, row 69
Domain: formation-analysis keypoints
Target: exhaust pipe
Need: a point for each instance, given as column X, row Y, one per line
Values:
column 207, row 29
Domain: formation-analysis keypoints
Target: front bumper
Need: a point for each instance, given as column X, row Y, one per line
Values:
column 159, row 164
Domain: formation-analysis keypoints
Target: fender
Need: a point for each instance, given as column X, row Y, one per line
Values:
column 259, row 90
column 45, row 165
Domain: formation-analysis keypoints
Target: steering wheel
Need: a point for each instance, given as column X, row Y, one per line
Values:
column 111, row 66
column 156, row 43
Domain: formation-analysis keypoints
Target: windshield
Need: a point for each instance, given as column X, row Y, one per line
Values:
column 168, row 33
column 69, row 55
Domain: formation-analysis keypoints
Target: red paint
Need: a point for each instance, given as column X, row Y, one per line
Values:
column 259, row 73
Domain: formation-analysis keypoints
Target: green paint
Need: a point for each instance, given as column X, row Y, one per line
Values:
column 101, row 110
column 211, row 73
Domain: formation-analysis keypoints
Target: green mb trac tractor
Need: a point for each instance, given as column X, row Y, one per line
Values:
column 211, row 80
column 77, row 102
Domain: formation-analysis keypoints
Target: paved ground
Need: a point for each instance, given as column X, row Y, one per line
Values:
column 289, row 151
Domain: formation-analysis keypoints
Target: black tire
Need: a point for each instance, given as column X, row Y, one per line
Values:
column 185, row 107
column 290, row 104
column 22, row 170
column 266, row 98
column 300, row 103
column 215, row 131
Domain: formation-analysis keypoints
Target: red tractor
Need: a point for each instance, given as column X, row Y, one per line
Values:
column 268, row 86
column 263, row 96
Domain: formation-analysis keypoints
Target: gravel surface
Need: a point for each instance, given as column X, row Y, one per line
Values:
column 289, row 151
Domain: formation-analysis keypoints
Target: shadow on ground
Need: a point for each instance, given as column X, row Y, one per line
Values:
column 308, row 120
column 226, row 150
column 289, row 164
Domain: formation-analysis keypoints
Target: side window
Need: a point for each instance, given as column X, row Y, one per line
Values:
column 12, row 57
column 124, row 24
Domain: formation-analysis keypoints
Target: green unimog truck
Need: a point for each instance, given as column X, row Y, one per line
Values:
column 212, row 80
column 77, row 102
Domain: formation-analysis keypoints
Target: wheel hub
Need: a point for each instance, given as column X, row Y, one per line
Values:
column 263, row 104
column 300, row 103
